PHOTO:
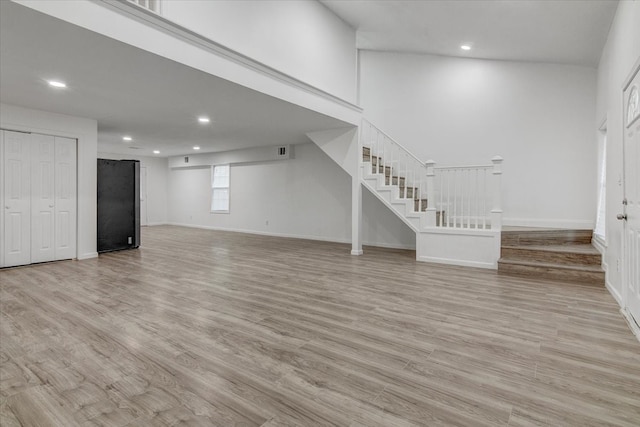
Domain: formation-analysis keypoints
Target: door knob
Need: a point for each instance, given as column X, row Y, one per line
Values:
column 621, row 216
column 50, row 206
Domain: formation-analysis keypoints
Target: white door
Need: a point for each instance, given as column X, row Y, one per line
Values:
column 631, row 249
column 16, row 227
column 143, row 196
column 42, row 198
column 65, row 198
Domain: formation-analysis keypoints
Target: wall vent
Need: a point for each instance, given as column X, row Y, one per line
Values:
column 282, row 151
column 186, row 159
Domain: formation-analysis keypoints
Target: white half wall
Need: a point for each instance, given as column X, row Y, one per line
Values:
column 300, row 38
column 538, row 117
column 468, row 248
column 620, row 53
column 157, row 184
column 86, row 132
column 308, row 196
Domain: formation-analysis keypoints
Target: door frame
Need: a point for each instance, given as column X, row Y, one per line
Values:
column 634, row 324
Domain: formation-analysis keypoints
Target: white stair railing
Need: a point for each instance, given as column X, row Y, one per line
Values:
column 397, row 164
column 152, row 5
column 456, row 197
column 469, row 196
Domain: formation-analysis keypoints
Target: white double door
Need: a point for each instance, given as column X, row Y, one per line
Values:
column 38, row 198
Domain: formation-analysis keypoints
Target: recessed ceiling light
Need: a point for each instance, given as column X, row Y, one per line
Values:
column 203, row 119
column 156, row 152
column 465, row 47
column 127, row 138
column 57, row 83
column 196, row 148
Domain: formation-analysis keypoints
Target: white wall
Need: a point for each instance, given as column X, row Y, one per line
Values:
column 539, row 117
column 300, row 38
column 620, row 53
column 86, row 132
column 308, row 196
column 157, row 184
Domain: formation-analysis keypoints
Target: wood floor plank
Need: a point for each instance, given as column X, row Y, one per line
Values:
column 211, row 328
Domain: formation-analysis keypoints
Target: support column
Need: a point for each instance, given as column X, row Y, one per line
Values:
column 356, row 214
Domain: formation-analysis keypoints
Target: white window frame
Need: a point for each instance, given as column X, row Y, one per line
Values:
column 217, row 186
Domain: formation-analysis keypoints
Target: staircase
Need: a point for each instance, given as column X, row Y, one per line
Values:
column 555, row 254
column 391, row 186
column 455, row 211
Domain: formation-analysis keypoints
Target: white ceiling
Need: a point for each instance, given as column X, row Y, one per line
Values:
column 157, row 101
column 559, row 31
column 133, row 92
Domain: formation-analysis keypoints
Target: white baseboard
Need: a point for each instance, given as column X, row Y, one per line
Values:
column 631, row 322
column 613, row 291
column 461, row 263
column 389, row 245
column 153, row 224
column 292, row 236
column 353, row 252
column 88, row 255
column 599, row 244
column 572, row 224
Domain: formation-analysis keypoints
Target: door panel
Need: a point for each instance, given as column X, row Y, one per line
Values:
column 17, row 199
column 42, row 198
column 631, row 241
column 65, row 195
column 143, row 196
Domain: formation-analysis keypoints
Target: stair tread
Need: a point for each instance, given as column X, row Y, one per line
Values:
column 586, row 268
column 515, row 230
column 575, row 248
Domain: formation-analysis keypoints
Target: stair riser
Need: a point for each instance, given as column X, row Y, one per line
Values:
column 551, row 237
column 559, row 274
column 537, row 255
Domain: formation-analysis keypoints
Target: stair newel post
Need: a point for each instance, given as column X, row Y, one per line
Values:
column 431, row 193
column 496, row 210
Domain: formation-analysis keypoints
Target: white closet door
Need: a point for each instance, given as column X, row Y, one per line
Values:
column 65, row 198
column 17, row 199
column 42, row 198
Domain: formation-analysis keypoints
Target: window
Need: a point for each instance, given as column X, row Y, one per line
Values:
column 220, row 188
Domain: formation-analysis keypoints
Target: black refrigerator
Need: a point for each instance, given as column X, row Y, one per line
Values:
column 118, row 204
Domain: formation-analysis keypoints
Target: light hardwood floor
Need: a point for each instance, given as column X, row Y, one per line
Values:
column 206, row 328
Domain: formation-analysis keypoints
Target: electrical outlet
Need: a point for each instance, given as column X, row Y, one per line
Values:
column 266, row 222
column 129, row 240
